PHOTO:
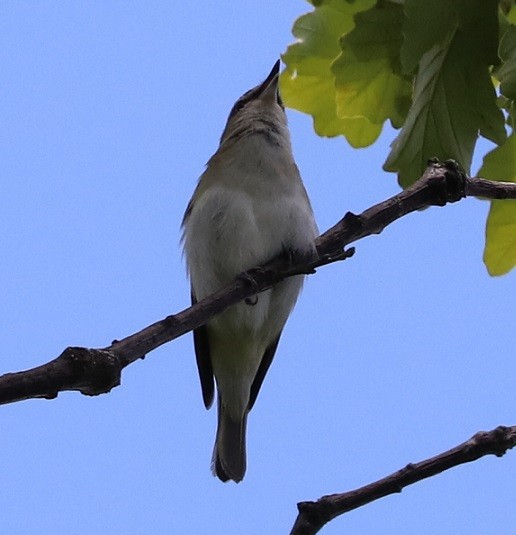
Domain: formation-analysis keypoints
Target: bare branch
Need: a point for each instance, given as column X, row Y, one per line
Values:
column 97, row 371
column 314, row 515
column 480, row 187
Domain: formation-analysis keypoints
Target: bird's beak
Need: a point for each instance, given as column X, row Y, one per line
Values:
column 268, row 90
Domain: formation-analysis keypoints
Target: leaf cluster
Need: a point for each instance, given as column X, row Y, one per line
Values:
column 443, row 72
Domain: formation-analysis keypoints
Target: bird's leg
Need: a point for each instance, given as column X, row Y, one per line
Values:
column 247, row 277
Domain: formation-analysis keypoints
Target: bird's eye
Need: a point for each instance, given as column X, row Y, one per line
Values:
column 238, row 106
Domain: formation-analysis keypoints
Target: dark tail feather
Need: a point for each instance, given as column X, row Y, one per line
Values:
column 229, row 459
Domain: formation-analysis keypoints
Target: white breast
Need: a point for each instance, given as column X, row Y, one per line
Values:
column 252, row 212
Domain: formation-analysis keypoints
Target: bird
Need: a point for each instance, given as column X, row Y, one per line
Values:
column 249, row 206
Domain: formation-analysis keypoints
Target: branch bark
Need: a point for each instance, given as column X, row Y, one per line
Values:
column 97, row 371
column 314, row 515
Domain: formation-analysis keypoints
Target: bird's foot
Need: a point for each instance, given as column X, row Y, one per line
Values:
column 247, row 277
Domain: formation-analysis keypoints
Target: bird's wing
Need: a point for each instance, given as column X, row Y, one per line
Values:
column 202, row 355
column 262, row 370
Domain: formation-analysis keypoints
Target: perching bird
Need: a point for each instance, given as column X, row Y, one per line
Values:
column 249, row 206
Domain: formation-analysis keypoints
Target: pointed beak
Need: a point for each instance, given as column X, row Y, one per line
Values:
column 268, row 90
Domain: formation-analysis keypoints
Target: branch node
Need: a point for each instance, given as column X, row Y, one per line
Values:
column 353, row 222
column 170, row 323
column 455, row 181
column 446, row 180
column 97, row 370
column 328, row 258
column 310, row 519
column 496, row 442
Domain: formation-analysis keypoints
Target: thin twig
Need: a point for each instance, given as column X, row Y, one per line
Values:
column 480, row 187
column 314, row 515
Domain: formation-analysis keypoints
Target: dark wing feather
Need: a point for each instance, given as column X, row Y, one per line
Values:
column 202, row 355
column 262, row 371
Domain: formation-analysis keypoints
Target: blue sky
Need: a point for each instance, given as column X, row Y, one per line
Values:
column 109, row 111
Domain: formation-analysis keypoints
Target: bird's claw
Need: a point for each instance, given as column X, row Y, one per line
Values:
column 247, row 277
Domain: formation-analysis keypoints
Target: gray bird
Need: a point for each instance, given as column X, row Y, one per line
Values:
column 249, row 206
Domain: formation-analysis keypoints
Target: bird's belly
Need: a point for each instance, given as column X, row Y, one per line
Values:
column 231, row 232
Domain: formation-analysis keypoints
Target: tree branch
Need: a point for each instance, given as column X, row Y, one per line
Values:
column 97, row 371
column 314, row 515
column 480, row 187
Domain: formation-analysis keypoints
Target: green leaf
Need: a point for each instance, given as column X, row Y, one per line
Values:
column 454, row 99
column 506, row 74
column 511, row 119
column 367, row 73
column 308, row 84
column 429, row 23
column 500, row 249
column 508, row 8
column 426, row 24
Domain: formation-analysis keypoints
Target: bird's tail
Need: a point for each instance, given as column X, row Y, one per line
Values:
column 229, row 458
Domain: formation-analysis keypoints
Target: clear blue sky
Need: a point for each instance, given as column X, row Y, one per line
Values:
column 108, row 112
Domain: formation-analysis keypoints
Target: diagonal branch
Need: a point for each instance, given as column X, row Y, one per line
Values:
column 97, row 371
column 314, row 515
column 480, row 187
